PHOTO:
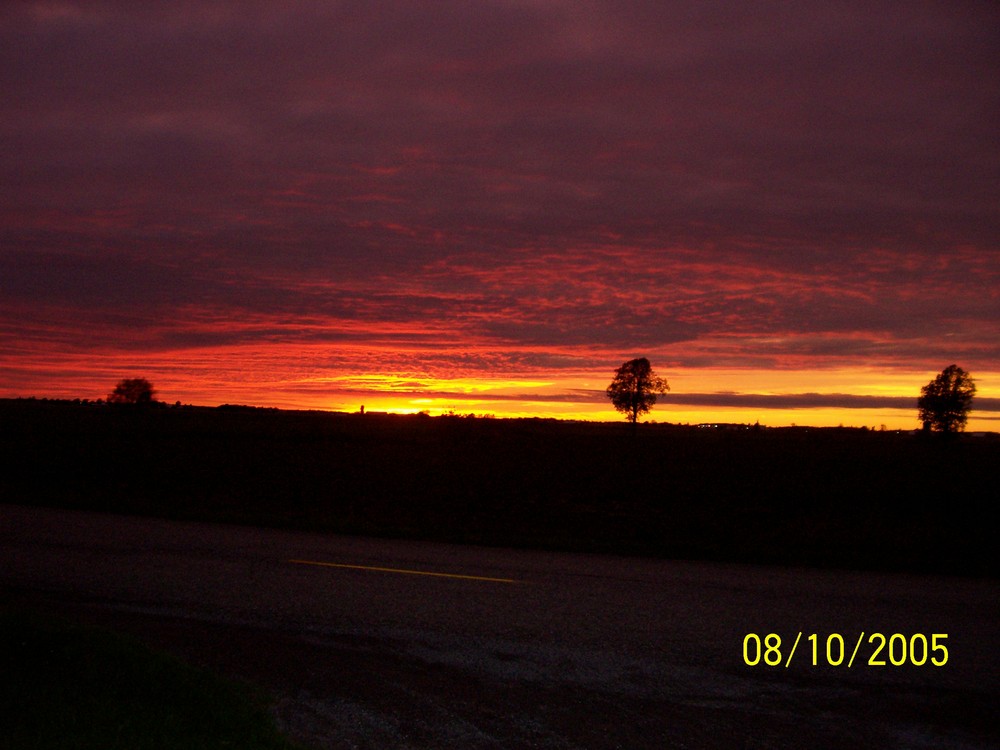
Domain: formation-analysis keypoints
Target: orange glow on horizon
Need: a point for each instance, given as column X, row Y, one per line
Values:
column 741, row 396
column 304, row 376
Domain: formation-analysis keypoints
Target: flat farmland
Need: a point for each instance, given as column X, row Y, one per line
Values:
column 828, row 498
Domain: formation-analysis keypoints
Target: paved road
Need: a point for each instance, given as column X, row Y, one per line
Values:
column 510, row 649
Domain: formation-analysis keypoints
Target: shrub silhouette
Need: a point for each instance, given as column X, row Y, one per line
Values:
column 132, row 391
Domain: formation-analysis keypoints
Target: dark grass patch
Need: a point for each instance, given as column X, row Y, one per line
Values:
column 67, row 686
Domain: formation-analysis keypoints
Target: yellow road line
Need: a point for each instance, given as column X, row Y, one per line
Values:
column 403, row 570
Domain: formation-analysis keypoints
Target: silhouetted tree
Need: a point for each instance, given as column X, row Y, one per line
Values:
column 635, row 388
column 945, row 402
column 132, row 391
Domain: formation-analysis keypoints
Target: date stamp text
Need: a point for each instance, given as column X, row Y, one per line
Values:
column 868, row 649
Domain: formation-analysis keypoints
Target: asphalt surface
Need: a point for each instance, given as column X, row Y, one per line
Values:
column 392, row 644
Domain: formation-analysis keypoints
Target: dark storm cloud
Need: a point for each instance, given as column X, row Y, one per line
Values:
column 821, row 179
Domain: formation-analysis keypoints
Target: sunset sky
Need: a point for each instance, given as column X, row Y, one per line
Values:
column 792, row 209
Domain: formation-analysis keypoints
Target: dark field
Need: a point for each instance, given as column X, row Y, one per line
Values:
column 840, row 498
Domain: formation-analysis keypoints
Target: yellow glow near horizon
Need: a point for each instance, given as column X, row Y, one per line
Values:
column 418, row 383
column 891, row 419
column 580, row 397
column 285, row 378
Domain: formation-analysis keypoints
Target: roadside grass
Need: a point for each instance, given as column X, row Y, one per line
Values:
column 67, row 686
